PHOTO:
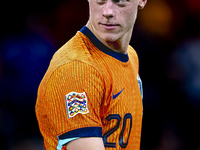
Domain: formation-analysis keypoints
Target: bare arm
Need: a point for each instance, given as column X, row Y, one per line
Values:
column 92, row 143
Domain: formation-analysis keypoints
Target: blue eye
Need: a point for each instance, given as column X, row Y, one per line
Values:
column 118, row 2
column 101, row 1
column 121, row 2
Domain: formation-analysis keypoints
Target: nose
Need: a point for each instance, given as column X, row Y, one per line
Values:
column 108, row 9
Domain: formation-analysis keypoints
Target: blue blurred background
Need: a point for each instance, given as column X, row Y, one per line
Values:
column 166, row 37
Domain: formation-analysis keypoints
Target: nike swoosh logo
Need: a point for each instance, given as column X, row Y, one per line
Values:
column 116, row 95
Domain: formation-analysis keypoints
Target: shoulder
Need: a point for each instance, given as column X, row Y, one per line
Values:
column 74, row 52
column 133, row 55
column 74, row 49
column 132, row 52
column 72, row 63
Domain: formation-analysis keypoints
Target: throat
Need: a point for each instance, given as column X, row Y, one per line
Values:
column 117, row 47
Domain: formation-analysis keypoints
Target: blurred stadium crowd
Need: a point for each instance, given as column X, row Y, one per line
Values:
column 166, row 37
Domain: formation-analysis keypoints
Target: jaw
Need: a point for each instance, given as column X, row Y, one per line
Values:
column 116, row 39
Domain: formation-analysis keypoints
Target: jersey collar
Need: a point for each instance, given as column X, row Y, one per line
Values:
column 102, row 47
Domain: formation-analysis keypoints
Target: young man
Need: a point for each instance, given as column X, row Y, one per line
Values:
column 91, row 95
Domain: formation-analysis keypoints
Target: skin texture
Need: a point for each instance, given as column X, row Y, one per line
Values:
column 112, row 22
column 92, row 143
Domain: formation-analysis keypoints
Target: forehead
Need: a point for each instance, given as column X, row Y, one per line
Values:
column 115, row 1
column 123, row 4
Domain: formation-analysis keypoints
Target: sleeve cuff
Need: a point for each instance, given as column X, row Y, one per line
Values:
column 78, row 133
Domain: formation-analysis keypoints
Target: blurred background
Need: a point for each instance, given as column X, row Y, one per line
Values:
column 166, row 37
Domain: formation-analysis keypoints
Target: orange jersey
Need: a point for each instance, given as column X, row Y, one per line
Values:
column 91, row 91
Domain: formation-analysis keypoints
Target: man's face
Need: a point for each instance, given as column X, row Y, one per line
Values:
column 112, row 20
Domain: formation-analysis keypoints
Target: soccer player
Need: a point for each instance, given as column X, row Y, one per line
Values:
column 91, row 95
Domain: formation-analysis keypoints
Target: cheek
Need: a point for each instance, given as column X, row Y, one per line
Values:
column 95, row 13
column 129, row 17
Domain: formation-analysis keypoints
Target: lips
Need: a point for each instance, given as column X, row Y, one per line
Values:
column 109, row 26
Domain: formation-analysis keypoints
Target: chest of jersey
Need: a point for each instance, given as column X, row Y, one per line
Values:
column 121, row 110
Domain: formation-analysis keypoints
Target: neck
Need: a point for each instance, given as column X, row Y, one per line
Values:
column 119, row 45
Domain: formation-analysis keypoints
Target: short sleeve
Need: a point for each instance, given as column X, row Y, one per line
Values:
column 72, row 101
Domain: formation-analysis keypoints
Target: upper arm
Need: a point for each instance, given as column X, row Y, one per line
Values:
column 91, row 143
column 73, row 96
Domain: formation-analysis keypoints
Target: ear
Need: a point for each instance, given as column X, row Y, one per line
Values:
column 142, row 3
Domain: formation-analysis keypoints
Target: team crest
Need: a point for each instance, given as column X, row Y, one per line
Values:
column 76, row 103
